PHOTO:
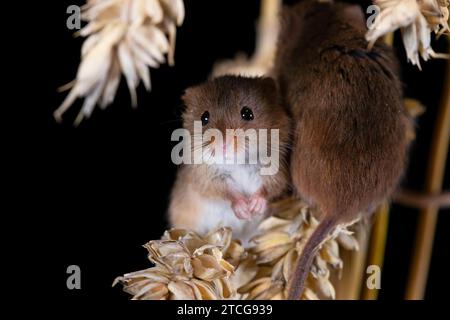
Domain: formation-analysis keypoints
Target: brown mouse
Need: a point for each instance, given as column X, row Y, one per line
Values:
column 206, row 196
column 350, row 144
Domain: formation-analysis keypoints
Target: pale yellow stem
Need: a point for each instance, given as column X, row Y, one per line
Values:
column 428, row 216
column 349, row 286
column 268, row 27
column 377, row 246
column 262, row 60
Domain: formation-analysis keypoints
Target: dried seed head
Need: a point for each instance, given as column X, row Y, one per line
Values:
column 416, row 19
column 214, row 266
column 187, row 266
column 123, row 37
column 277, row 248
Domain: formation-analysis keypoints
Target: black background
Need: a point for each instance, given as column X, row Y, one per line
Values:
column 99, row 192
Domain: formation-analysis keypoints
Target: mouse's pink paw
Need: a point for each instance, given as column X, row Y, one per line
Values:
column 241, row 208
column 257, row 204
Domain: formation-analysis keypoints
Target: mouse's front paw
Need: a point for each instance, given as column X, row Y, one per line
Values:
column 240, row 207
column 257, row 204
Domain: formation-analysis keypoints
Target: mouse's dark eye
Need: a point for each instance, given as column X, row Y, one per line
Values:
column 247, row 114
column 205, row 118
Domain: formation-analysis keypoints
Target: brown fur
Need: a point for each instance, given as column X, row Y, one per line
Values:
column 224, row 98
column 350, row 143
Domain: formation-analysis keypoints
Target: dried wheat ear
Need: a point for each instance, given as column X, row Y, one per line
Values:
column 215, row 266
column 123, row 37
column 416, row 19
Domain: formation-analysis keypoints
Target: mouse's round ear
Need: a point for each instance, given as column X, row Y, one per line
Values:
column 185, row 96
column 188, row 96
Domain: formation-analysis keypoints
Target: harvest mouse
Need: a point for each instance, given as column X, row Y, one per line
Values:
column 206, row 196
column 350, row 144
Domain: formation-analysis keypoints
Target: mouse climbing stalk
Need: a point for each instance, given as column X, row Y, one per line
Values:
column 350, row 138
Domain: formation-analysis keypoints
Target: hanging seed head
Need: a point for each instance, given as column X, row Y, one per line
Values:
column 122, row 37
column 416, row 19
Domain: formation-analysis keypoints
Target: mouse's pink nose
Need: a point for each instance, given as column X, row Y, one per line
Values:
column 230, row 145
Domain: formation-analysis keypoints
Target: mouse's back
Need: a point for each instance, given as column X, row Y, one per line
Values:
column 350, row 140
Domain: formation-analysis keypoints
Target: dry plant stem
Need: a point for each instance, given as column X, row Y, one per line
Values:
column 389, row 39
column 349, row 286
column 419, row 200
column 428, row 216
column 377, row 246
column 268, row 27
column 261, row 61
column 358, row 263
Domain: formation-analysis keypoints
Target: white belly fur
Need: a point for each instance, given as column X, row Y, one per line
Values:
column 213, row 213
column 218, row 213
column 244, row 178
